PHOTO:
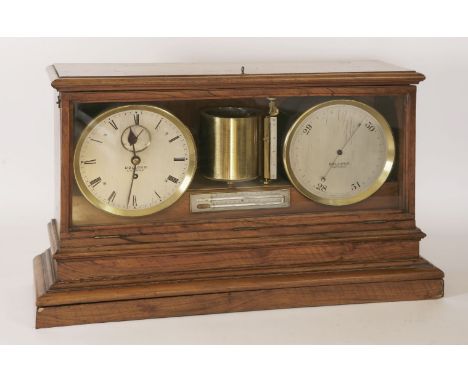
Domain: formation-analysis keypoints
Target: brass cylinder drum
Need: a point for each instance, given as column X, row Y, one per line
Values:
column 229, row 143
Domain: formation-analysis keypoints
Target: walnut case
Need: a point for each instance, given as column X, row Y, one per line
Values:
column 101, row 267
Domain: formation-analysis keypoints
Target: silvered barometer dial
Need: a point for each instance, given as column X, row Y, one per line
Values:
column 339, row 152
column 134, row 160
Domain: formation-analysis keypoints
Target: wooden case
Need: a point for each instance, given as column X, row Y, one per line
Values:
column 100, row 268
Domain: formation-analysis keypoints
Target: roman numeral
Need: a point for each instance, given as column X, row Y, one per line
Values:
column 172, row 179
column 95, row 182
column 173, row 139
column 136, row 118
column 134, row 201
column 91, row 161
column 113, row 124
column 158, row 124
column 157, row 195
column 179, row 159
column 111, row 196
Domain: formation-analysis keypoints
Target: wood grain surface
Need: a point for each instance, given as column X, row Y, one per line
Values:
column 410, row 282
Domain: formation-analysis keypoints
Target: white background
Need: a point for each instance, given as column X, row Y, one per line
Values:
column 27, row 199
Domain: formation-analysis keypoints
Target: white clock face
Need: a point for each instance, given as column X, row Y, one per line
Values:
column 339, row 152
column 134, row 160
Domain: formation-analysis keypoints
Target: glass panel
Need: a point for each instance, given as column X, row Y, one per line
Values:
column 246, row 147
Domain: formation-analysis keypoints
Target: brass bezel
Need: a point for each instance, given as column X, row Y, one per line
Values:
column 362, row 195
column 147, row 211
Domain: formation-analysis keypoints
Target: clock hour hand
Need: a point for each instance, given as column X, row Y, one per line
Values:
column 132, row 138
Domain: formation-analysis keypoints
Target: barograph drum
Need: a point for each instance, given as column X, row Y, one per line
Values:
column 230, row 143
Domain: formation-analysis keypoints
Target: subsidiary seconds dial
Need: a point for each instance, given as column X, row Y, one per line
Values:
column 134, row 160
column 339, row 152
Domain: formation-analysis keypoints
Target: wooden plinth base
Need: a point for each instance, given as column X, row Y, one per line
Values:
column 356, row 283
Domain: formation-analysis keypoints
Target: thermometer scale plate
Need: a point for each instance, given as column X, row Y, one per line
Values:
column 243, row 200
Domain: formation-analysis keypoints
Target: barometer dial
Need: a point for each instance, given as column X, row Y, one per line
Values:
column 339, row 152
column 134, row 160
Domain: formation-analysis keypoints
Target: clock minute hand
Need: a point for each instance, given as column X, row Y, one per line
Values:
column 135, row 161
column 140, row 132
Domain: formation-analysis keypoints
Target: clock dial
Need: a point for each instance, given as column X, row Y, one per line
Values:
column 339, row 152
column 134, row 160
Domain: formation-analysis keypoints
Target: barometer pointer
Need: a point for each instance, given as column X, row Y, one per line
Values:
column 340, row 152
